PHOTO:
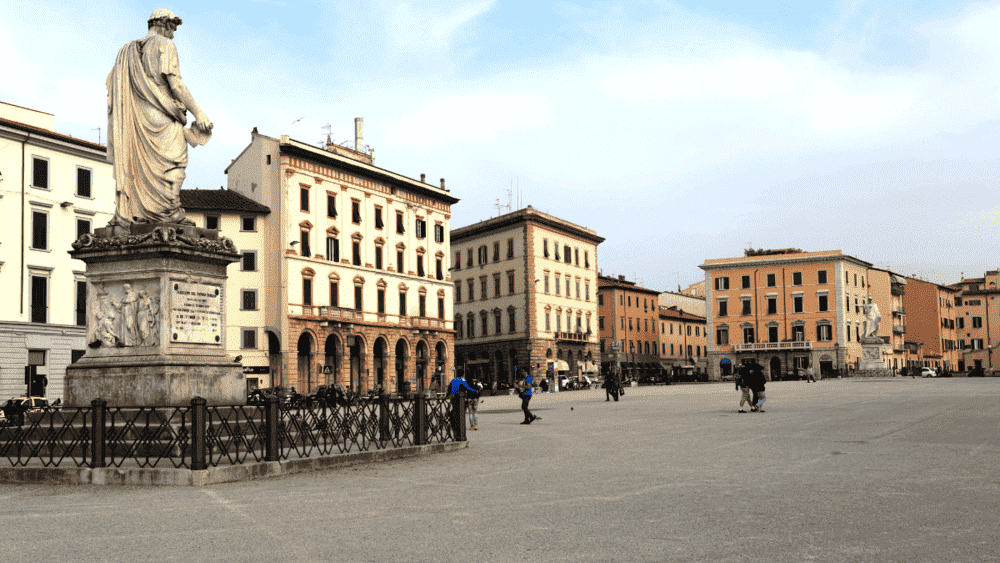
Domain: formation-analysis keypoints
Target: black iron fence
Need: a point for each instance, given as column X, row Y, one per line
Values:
column 198, row 436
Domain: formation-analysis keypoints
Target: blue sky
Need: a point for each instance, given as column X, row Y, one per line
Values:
column 679, row 131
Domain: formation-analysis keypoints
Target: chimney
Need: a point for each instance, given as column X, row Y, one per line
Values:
column 423, row 177
column 442, row 184
column 621, row 277
column 358, row 137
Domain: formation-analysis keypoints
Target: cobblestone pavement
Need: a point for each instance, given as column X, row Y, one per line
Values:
column 841, row 470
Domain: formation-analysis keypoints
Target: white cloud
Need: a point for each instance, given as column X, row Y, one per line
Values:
column 414, row 31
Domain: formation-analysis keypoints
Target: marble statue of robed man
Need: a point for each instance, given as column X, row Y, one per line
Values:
column 147, row 111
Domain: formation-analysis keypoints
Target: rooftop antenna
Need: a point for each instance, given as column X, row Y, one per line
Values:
column 98, row 134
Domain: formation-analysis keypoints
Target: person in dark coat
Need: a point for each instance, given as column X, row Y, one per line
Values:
column 742, row 386
column 611, row 385
column 756, row 384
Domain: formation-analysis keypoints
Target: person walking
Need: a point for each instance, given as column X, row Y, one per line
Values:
column 526, row 398
column 473, row 405
column 453, row 388
column 742, row 379
column 810, row 374
column 611, row 385
column 756, row 384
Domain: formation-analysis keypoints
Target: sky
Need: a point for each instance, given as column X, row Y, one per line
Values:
column 679, row 131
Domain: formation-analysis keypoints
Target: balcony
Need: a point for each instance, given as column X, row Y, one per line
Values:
column 572, row 336
column 897, row 289
column 338, row 314
column 899, row 312
column 899, row 329
column 774, row 346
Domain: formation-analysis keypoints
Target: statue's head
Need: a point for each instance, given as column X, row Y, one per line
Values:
column 164, row 18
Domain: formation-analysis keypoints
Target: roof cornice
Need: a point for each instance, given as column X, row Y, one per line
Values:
column 522, row 216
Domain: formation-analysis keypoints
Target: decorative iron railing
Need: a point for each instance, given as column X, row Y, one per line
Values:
column 198, row 436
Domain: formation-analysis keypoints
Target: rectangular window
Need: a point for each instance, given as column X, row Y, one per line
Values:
column 468, row 255
column 796, row 278
column 545, row 248
column 798, row 333
column 458, row 260
column 458, row 292
column 402, row 303
column 558, row 323
column 567, row 286
column 772, row 334
column 438, row 233
column 334, row 294
column 248, row 224
column 40, row 173
column 586, row 259
column 723, row 311
column 848, row 332
column 482, row 287
column 772, row 305
column 331, row 205
column 823, row 305
column 332, row 249
column 961, row 322
column 576, row 256
column 39, row 230
column 744, row 282
column 548, row 325
column 497, row 328
column 378, row 218
column 212, row 222
column 748, row 335
column 821, row 277
column 797, row 303
column 249, row 339
column 420, row 266
column 824, row 333
column 510, row 283
column 356, row 212
column 977, row 322
column 304, row 242
column 307, row 291
column 249, row 300
column 722, row 336
column 496, row 285
column 400, row 229
column 83, row 182
column 546, row 283
column 772, row 280
column 356, row 253
column 567, row 254
column 558, row 284
column 470, row 327
column 555, row 245
column 82, row 227
column 510, row 248
column 399, row 261
column 303, row 198
column 359, row 293
column 441, row 308
column 472, row 290
column 484, row 325
column 496, row 251
column 511, row 320
column 421, row 228
column 577, row 289
column 746, row 307
column 380, row 301
column 249, row 261
column 721, row 283
column 81, row 303
column 378, row 257
column 439, row 266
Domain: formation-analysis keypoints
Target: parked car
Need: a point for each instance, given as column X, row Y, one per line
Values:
column 15, row 409
column 928, row 372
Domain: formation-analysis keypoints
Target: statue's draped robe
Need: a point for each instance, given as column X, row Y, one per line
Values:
column 146, row 131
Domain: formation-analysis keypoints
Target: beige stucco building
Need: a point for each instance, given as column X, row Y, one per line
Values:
column 353, row 268
column 53, row 187
column 525, row 296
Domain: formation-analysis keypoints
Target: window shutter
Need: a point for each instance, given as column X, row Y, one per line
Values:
column 83, row 182
column 40, row 173
column 40, row 230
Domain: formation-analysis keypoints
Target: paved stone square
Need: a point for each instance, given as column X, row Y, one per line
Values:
column 841, row 470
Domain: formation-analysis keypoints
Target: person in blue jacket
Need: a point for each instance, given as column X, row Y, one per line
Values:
column 526, row 398
column 457, row 383
column 453, row 388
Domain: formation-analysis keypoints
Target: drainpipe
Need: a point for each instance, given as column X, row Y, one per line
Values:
column 23, row 194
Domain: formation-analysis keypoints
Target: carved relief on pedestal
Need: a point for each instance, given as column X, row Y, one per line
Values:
column 124, row 315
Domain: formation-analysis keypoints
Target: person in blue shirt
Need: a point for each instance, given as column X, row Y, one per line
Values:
column 453, row 388
column 526, row 398
column 457, row 383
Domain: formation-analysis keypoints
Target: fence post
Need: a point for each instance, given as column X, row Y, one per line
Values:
column 98, row 443
column 420, row 422
column 198, row 426
column 271, row 452
column 383, row 417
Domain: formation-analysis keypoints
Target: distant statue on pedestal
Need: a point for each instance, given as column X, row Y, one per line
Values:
column 872, row 319
column 147, row 111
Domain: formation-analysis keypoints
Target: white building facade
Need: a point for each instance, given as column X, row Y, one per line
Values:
column 53, row 188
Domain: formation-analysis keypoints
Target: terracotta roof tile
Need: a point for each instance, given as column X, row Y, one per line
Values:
column 220, row 200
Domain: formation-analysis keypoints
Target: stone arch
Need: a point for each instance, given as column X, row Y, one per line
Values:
column 356, row 361
column 332, row 352
column 440, row 364
column 421, row 356
column 380, row 351
column 402, row 354
column 305, row 348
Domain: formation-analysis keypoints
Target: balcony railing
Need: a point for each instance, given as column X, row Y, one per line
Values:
column 899, row 329
column 763, row 346
column 352, row 315
column 573, row 336
column 899, row 311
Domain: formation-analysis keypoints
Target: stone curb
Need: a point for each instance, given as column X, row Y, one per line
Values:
column 170, row 477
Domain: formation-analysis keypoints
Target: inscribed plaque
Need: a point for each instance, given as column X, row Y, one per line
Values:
column 196, row 313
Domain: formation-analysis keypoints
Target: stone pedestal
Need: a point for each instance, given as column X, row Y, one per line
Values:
column 156, row 318
column 871, row 354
